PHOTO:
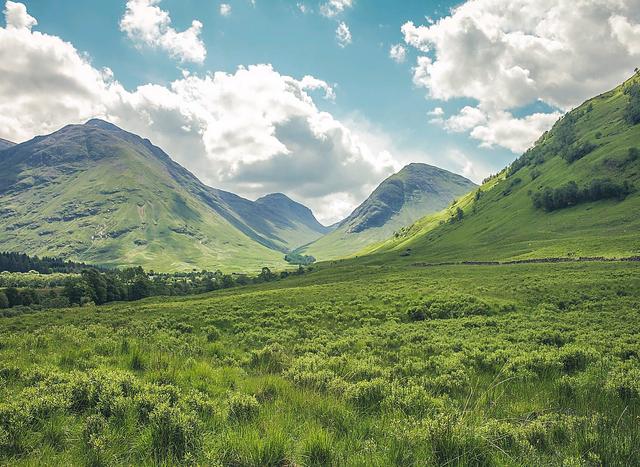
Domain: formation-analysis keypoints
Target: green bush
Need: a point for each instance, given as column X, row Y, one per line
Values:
column 272, row 359
column 367, row 395
column 318, row 448
column 243, row 407
column 174, row 433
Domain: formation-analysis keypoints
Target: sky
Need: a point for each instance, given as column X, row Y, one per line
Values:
column 318, row 99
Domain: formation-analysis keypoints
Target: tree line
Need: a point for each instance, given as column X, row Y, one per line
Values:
column 100, row 286
column 569, row 194
column 20, row 262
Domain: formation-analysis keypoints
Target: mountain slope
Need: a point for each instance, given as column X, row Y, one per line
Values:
column 99, row 194
column 565, row 197
column 5, row 144
column 401, row 199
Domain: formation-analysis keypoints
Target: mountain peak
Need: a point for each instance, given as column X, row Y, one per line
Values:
column 102, row 124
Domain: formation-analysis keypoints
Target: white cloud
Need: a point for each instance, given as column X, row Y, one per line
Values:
column 225, row 9
column 468, row 118
column 507, row 54
column 302, row 7
column 332, row 8
column 17, row 16
column 437, row 112
column 515, row 134
column 253, row 131
column 147, row 25
column 398, row 53
column 626, row 33
column 343, row 35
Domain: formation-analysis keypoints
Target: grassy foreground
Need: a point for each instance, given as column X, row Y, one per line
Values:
column 460, row 365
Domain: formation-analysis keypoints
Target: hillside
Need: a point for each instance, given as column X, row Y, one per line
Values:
column 5, row 144
column 99, row 194
column 575, row 193
column 401, row 199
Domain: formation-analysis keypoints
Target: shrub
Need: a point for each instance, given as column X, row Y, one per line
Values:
column 448, row 306
column 575, row 153
column 212, row 333
column 271, row 358
column 367, row 395
column 174, row 434
column 625, row 381
column 243, row 407
column 632, row 110
column 318, row 448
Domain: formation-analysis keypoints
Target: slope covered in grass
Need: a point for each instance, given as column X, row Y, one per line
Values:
column 458, row 365
column 594, row 146
column 417, row 190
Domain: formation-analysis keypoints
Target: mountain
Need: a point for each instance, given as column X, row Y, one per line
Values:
column 413, row 192
column 575, row 193
column 99, row 194
column 4, row 144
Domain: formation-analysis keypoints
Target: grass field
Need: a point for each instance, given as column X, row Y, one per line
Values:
column 350, row 365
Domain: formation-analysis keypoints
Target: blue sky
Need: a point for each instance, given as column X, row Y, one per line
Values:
column 280, row 104
column 368, row 83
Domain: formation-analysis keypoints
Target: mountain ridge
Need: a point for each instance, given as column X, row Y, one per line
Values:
column 103, row 179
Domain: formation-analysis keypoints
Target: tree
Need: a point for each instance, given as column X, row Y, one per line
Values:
column 75, row 290
column 266, row 275
column 140, row 287
column 632, row 110
column 96, row 286
column 4, row 301
column 13, row 296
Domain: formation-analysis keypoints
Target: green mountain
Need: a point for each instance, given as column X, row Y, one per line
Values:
column 575, row 193
column 413, row 192
column 5, row 144
column 99, row 194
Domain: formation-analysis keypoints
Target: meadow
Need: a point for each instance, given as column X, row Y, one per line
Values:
column 527, row 364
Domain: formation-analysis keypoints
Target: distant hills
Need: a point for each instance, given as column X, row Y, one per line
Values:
column 99, row 194
column 400, row 200
column 575, row 193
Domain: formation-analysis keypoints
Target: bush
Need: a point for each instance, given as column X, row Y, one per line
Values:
column 212, row 333
column 367, row 395
column 318, row 448
column 271, row 358
column 448, row 306
column 632, row 110
column 243, row 407
column 174, row 434
column 575, row 153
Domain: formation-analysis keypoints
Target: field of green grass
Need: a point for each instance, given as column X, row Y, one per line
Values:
column 349, row 365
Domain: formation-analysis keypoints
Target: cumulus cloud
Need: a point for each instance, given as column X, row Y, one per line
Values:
column 17, row 16
column 252, row 131
column 225, row 9
column 343, row 34
column 398, row 53
column 148, row 25
column 626, row 33
column 332, row 8
column 507, row 54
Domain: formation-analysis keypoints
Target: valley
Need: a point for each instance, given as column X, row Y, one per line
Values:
column 148, row 318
